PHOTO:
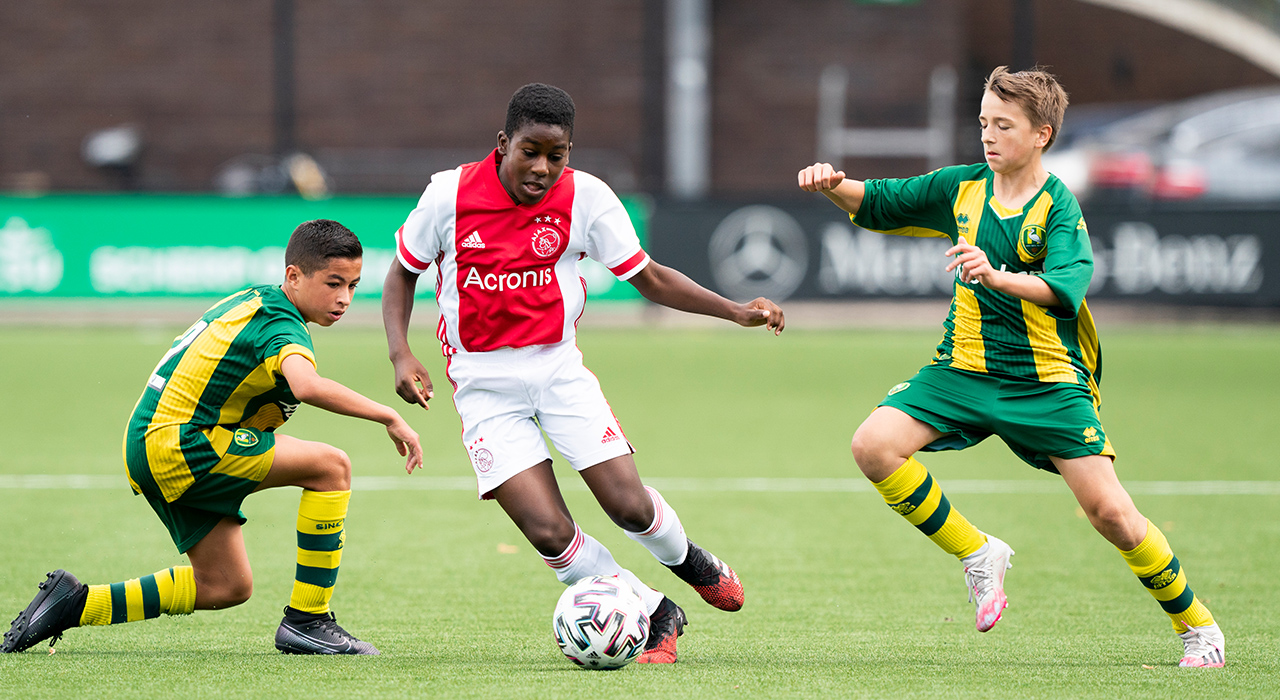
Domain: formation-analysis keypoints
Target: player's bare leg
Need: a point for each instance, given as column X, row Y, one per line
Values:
column 883, row 447
column 887, row 439
column 1108, row 506
column 221, row 567
column 646, row 517
column 533, row 501
column 1112, row 513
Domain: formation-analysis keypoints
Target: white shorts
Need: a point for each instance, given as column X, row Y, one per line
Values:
column 507, row 398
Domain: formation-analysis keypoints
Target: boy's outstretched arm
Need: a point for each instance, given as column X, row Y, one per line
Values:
column 821, row 177
column 397, row 307
column 310, row 388
column 671, row 288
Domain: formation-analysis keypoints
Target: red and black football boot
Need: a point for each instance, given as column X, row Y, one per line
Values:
column 711, row 578
column 665, row 624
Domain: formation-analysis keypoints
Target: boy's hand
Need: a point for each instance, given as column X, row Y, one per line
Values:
column 820, row 177
column 761, row 312
column 407, row 444
column 409, row 373
column 973, row 263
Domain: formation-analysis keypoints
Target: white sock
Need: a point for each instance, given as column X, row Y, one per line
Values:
column 587, row 557
column 665, row 538
column 976, row 555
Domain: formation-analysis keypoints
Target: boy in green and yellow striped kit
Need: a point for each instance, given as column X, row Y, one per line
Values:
column 202, row 438
column 1019, row 357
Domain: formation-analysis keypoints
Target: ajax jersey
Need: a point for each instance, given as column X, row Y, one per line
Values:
column 507, row 273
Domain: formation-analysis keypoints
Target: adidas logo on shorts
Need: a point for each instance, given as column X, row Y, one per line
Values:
column 609, row 436
column 472, row 241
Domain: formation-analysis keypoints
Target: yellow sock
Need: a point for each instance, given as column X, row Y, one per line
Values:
column 1153, row 563
column 172, row 592
column 913, row 494
column 321, row 515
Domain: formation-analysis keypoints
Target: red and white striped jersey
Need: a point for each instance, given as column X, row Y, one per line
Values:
column 507, row 273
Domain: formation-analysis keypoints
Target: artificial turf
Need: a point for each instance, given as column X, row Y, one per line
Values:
column 843, row 598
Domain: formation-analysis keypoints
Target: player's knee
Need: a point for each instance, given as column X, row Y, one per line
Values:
column 550, row 537
column 867, row 448
column 1106, row 516
column 635, row 515
column 223, row 592
column 337, row 470
column 238, row 592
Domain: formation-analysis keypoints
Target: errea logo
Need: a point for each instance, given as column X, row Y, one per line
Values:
column 1164, row 578
column 1091, row 435
column 904, row 508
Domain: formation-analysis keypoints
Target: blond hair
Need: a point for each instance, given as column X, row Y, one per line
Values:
column 1036, row 91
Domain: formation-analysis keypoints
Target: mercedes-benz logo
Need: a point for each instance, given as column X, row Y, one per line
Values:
column 758, row 251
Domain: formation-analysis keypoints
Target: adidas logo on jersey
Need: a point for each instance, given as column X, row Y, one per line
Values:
column 609, row 436
column 472, row 241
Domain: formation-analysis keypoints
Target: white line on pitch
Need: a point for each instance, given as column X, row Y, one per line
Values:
column 709, row 484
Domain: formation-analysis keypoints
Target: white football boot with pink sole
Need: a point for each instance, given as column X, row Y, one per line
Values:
column 984, row 574
column 1203, row 647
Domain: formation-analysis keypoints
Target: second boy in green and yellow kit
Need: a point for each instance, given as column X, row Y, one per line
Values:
column 1019, row 356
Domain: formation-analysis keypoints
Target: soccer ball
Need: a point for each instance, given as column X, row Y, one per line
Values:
column 600, row 623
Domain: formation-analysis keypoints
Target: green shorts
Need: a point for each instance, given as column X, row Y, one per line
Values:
column 1035, row 419
column 216, row 469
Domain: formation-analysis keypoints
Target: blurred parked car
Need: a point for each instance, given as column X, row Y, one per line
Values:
column 1221, row 146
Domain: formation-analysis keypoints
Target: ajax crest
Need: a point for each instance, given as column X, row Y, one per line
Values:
column 546, row 242
column 245, row 437
column 483, row 459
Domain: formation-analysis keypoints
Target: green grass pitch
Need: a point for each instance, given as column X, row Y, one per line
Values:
column 843, row 598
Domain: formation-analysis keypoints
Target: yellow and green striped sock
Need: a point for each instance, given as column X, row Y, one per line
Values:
column 172, row 592
column 320, row 537
column 912, row 493
column 1153, row 563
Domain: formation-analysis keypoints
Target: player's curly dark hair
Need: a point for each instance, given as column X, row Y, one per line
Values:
column 537, row 103
column 314, row 243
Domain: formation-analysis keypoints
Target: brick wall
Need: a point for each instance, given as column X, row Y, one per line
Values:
column 417, row 78
column 197, row 78
column 768, row 59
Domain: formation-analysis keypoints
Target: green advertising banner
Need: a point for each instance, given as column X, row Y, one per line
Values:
column 197, row 245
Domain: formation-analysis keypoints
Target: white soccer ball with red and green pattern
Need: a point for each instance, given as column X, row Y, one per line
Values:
column 600, row 623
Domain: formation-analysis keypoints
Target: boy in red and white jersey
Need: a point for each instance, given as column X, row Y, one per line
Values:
column 506, row 235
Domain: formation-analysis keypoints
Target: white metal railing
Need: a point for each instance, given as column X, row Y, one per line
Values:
column 935, row 142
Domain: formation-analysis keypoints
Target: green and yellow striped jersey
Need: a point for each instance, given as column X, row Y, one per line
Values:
column 222, row 371
column 989, row 331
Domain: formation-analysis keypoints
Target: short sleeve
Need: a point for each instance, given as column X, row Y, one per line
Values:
column 281, row 337
column 418, row 241
column 611, row 238
column 1068, row 263
column 917, row 206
